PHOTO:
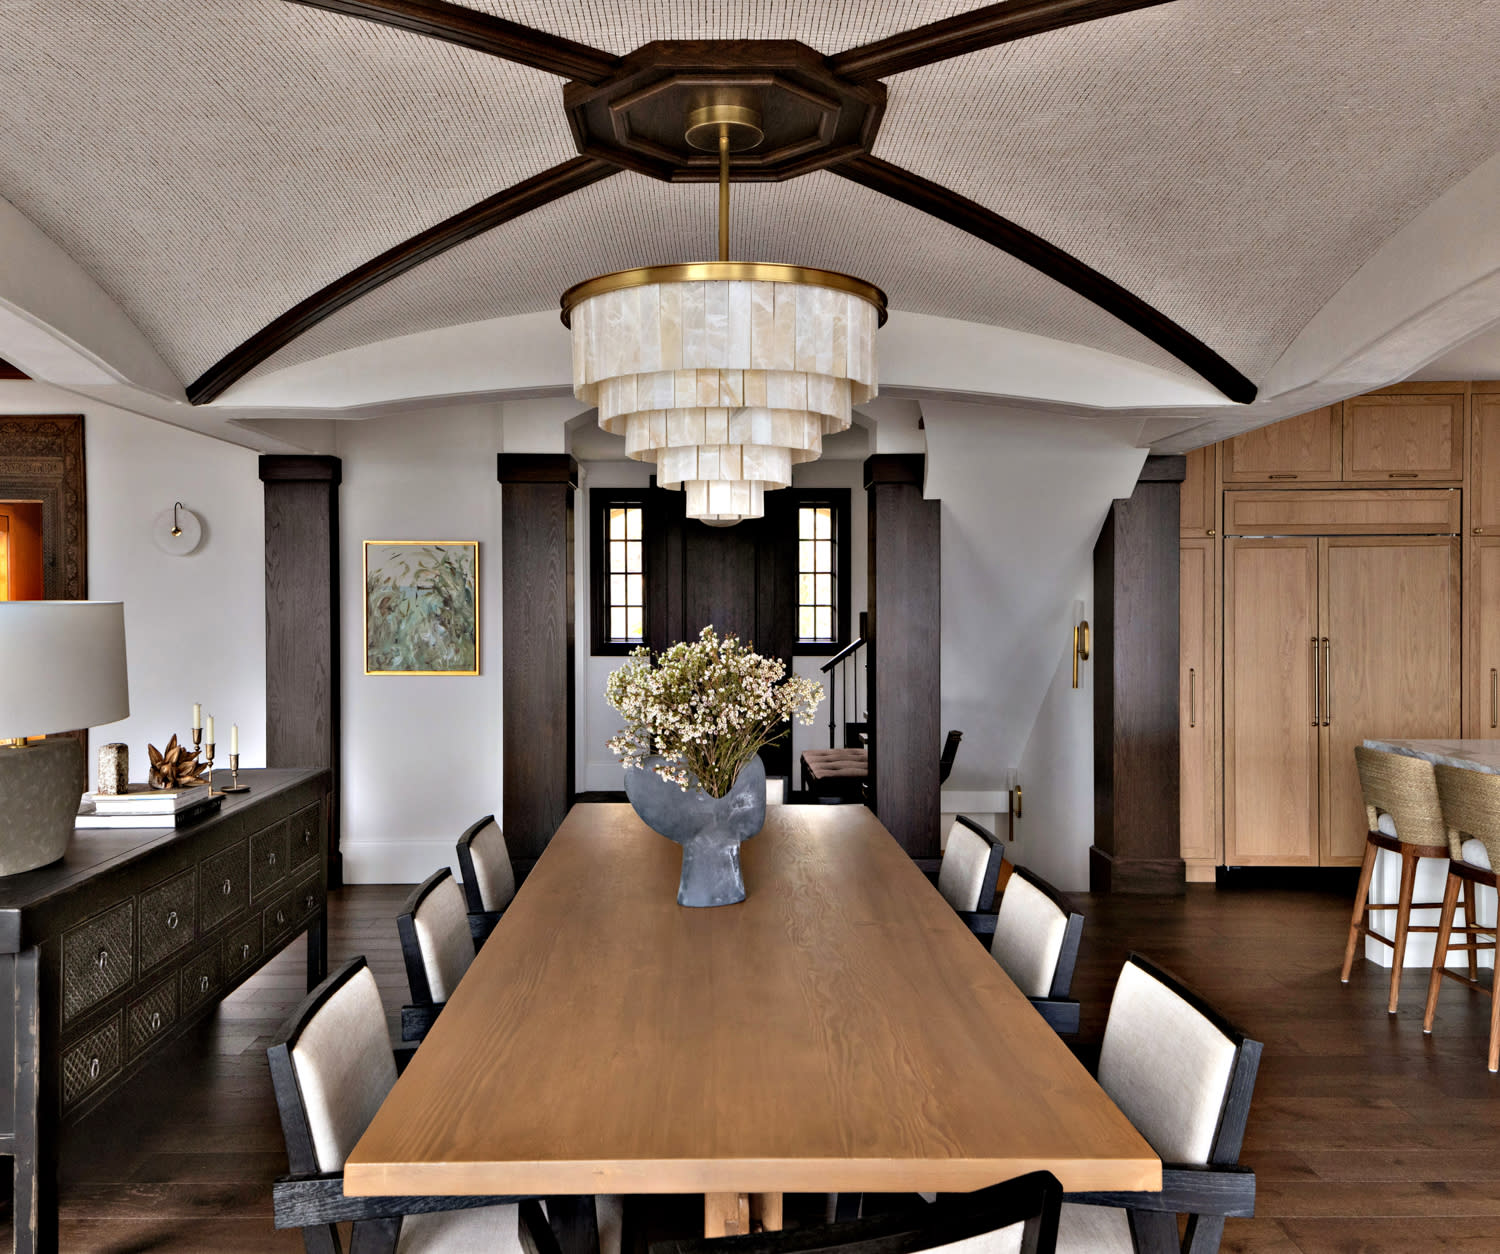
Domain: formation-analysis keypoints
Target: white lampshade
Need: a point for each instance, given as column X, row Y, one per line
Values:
column 62, row 666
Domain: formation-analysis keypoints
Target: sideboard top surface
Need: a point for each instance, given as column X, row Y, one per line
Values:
column 93, row 851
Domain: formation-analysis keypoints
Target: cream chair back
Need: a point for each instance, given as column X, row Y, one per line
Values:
column 494, row 876
column 1030, row 928
column 970, row 866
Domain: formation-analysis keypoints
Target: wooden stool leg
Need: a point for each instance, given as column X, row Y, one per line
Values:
column 1471, row 936
column 1403, row 918
column 1494, row 1031
column 1357, row 918
column 1440, row 948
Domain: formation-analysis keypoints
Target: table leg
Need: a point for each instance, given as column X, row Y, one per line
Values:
column 35, row 1136
column 317, row 949
column 765, row 1212
column 575, row 1223
column 726, row 1214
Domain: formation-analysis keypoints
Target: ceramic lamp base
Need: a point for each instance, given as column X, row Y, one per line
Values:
column 42, row 784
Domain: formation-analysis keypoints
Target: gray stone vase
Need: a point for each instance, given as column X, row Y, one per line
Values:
column 709, row 829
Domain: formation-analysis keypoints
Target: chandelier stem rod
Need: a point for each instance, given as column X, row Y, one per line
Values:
column 723, row 192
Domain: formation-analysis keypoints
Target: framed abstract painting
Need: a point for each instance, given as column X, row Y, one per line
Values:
column 421, row 607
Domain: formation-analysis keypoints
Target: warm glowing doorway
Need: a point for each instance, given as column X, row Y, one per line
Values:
column 21, row 566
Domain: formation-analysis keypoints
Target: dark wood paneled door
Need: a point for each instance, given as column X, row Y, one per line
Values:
column 740, row 580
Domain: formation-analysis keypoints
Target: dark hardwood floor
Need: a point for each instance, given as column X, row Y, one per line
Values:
column 1366, row 1136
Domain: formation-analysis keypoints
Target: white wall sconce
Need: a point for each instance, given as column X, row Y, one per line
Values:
column 177, row 531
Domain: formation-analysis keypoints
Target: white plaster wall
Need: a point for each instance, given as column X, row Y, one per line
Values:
column 422, row 755
column 195, row 626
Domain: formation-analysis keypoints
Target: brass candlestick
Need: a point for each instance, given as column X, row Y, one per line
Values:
column 208, row 758
column 234, row 775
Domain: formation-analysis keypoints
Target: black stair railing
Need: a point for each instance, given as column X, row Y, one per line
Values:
column 835, row 668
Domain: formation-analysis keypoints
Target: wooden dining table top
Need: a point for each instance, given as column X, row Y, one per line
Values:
column 839, row 1030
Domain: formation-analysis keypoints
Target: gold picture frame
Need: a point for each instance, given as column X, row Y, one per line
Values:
column 421, row 609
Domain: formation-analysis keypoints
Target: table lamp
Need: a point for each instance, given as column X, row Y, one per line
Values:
column 62, row 666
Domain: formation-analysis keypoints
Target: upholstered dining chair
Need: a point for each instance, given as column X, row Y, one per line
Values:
column 1036, row 941
column 437, row 946
column 488, row 876
column 1405, row 818
column 969, row 870
column 1016, row 1217
column 1471, row 812
column 1183, row 1075
column 331, row 1067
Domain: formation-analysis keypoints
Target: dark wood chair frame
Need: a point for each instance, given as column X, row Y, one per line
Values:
column 481, row 921
column 418, row 1015
column 1057, row 1007
column 1033, row 1199
column 1206, row 1194
column 950, row 752
column 1464, row 874
column 315, row 1201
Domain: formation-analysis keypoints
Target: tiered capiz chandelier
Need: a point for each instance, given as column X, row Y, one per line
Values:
column 724, row 373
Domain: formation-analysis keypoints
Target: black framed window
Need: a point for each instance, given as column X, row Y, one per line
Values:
column 619, row 571
column 821, row 526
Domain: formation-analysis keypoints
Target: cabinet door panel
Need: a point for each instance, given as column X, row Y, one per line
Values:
column 1483, row 609
column 1391, row 664
column 1270, row 740
column 1404, row 438
column 1484, row 464
column 1198, row 507
column 1307, row 448
column 1198, row 707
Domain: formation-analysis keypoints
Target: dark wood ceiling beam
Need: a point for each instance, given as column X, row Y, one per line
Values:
column 483, row 32
column 970, row 32
column 533, row 193
column 968, row 215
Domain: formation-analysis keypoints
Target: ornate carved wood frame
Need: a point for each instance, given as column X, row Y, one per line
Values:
column 41, row 459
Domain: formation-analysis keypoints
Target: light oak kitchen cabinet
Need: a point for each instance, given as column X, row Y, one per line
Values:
column 1305, row 449
column 1197, row 692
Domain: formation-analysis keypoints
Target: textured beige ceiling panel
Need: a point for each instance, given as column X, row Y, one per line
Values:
column 1232, row 164
column 212, row 162
column 620, row 26
column 629, row 220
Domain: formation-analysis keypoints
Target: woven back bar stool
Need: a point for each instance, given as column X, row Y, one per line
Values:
column 1471, row 810
column 1405, row 818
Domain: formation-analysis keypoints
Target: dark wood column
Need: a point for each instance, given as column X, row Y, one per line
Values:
column 303, row 689
column 1136, row 818
column 536, row 540
column 905, row 587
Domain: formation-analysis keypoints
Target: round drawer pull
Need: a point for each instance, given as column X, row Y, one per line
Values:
column 280, row 917
column 171, row 920
column 103, row 959
column 244, row 952
column 156, row 1020
column 226, row 887
column 94, row 1068
column 203, row 983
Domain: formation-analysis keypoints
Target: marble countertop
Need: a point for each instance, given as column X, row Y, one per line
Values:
column 1473, row 755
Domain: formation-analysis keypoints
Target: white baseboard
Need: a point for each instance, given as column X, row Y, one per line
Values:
column 395, row 862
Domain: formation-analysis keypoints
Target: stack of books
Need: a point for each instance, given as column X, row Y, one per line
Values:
column 144, row 806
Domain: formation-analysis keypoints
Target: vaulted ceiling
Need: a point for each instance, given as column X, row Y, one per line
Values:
column 211, row 164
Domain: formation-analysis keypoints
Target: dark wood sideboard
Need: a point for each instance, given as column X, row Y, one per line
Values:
column 130, row 939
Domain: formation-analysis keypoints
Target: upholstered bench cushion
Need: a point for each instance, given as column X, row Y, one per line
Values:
column 837, row 763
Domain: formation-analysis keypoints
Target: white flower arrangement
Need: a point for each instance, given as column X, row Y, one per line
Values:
column 705, row 708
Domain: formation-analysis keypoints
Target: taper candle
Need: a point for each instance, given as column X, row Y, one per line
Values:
column 209, row 733
column 197, row 716
column 234, row 738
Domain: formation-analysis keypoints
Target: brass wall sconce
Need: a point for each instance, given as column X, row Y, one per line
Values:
column 1082, row 643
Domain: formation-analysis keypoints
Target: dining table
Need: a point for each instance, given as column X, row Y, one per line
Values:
column 840, row 1030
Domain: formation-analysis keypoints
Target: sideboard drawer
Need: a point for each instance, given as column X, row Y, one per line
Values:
column 241, row 947
column 223, row 886
column 90, row 1063
column 306, row 834
column 268, row 858
column 97, row 958
column 200, row 978
column 281, row 919
column 149, row 1016
column 168, row 912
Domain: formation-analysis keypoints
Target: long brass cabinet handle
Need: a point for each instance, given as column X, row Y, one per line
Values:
column 1317, row 691
column 1494, row 697
column 1327, row 681
column 1192, row 697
